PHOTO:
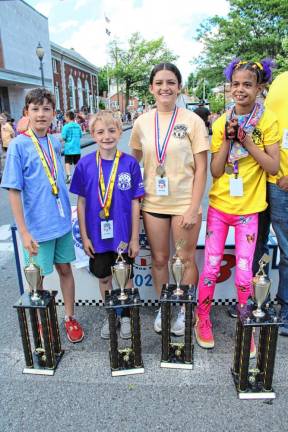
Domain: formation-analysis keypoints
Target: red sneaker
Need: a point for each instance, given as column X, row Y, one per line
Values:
column 74, row 330
column 203, row 332
column 252, row 348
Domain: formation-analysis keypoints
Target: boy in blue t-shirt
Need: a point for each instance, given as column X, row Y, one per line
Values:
column 34, row 177
column 108, row 184
column 71, row 135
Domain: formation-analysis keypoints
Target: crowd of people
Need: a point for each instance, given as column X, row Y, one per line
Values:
column 249, row 166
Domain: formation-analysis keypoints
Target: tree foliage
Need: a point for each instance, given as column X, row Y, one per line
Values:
column 252, row 30
column 132, row 66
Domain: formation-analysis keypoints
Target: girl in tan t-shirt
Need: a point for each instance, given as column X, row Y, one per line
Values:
column 173, row 144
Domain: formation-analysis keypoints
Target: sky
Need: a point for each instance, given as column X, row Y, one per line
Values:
column 81, row 24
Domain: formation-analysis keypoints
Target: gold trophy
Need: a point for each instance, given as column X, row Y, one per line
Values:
column 261, row 286
column 34, row 278
column 177, row 268
column 121, row 271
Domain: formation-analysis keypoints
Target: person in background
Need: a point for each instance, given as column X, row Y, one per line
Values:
column 71, row 135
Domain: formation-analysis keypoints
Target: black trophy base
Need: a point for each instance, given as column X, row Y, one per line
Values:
column 254, row 390
column 176, row 358
column 39, row 365
column 126, row 365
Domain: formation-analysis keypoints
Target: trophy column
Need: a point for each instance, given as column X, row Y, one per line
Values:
column 44, row 327
column 177, row 355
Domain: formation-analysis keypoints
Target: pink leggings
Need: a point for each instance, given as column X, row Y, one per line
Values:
column 246, row 228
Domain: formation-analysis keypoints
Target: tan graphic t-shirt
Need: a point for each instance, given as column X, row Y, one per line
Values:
column 188, row 138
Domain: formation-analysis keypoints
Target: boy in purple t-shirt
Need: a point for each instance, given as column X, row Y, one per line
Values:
column 108, row 184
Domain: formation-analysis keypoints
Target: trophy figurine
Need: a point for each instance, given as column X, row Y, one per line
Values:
column 128, row 360
column 177, row 355
column 34, row 279
column 121, row 271
column 261, row 285
column 256, row 382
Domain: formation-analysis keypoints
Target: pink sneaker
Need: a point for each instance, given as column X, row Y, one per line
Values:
column 252, row 348
column 203, row 332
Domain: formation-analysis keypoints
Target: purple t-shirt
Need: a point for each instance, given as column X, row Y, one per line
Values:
column 128, row 186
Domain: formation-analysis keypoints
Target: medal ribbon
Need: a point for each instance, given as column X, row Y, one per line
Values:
column 105, row 193
column 49, row 162
column 161, row 150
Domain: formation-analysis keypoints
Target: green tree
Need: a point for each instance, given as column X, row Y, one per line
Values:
column 282, row 59
column 102, row 81
column 252, row 30
column 132, row 66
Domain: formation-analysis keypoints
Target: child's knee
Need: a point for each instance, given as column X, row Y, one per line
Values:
column 64, row 270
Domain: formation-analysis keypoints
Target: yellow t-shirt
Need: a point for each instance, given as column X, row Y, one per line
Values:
column 253, row 176
column 277, row 101
column 189, row 137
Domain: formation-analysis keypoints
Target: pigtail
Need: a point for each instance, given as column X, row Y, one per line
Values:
column 228, row 71
column 267, row 64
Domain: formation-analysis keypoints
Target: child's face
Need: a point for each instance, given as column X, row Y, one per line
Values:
column 165, row 89
column 244, row 89
column 106, row 135
column 40, row 116
column 3, row 120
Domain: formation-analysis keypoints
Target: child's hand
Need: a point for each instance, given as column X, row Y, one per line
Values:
column 188, row 219
column 283, row 183
column 30, row 244
column 133, row 248
column 231, row 129
column 88, row 248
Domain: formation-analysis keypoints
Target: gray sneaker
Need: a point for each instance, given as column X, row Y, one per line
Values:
column 105, row 333
column 125, row 328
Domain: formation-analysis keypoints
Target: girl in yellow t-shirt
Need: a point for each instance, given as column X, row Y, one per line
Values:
column 173, row 143
column 244, row 147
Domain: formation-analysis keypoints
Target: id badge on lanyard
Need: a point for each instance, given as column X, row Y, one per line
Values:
column 236, row 186
column 106, row 229
column 162, row 188
column 285, row 139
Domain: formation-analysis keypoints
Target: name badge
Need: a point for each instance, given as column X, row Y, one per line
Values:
column 106, row 229
column 285, row 139
column 236, row 186
column 161, row 186
column 60, row 207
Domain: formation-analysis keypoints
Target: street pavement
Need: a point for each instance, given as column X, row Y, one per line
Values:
column 82, row 395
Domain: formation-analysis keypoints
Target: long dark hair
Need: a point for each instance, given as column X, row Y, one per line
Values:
column 166, row 66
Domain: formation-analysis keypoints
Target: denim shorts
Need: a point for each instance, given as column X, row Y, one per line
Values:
column 57, row 251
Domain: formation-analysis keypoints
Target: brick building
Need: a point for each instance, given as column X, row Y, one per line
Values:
column 75, row 80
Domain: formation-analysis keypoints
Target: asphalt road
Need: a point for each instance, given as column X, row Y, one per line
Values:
column 82, row 396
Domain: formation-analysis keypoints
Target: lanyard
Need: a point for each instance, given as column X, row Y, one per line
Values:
column 49, row 162
column 105, row 193
column 161, row 150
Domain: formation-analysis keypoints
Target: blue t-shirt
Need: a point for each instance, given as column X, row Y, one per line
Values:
column 24, row 172
column 71, row 133
column 128, row 186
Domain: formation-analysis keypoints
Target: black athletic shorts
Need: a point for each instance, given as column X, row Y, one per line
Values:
column 72, row 159
column 160, row 215
column 101, row 264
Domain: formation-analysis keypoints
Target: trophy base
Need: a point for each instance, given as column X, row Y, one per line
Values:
column 123, row 372
column 42, row 370
column 176, row 365
column 254, row 391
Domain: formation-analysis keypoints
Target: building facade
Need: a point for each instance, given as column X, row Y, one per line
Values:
column 75, row 80
column 21, row 29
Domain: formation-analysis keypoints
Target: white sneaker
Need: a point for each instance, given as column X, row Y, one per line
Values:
column 125, row 328
column 157, row 322
column 178, row 326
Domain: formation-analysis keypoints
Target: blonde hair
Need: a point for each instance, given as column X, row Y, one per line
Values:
column 107, row 116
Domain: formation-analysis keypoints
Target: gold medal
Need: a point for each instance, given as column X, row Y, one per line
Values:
column 160, row 170
column 229, row 169
column 102, row 214
column 55, row 190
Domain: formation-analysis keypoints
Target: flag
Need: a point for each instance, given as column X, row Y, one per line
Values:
column 108, row 32
column 107, row 19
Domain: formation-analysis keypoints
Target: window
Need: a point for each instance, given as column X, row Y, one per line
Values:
column 80, row 94
column 87, row 92
column 57, row 97
column 54, row 66
column 72, row 93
